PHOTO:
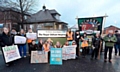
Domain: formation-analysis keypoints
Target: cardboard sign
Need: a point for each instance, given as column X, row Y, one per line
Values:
column 69, row 52
column 11, row 53
column 56, row 56
column 31, row 35
column 39, row 57
column 19, row 40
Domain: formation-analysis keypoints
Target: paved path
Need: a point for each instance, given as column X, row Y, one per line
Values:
column 78, row 65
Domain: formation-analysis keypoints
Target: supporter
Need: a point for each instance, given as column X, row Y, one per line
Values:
column 22, row 47
column 110, row 40
column 96, row 42
column 77, row 39
column 29, row 41
column 69, row 35
column 13, row 34
column 6, row 40
column 58, row 45
column 66, row 43
column 33, row 46
column 40, row 45
column 73, row 43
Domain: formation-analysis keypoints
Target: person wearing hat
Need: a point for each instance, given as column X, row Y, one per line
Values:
column 110, row 40
column 69, row 35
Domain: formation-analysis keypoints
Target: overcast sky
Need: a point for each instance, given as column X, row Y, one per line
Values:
column 69, row 9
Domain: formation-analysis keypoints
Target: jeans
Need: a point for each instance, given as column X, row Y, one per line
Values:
column 117, row 47
column 110, row 52
column 23, row 50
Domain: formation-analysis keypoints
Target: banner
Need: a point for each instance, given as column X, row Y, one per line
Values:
column 11, row 53
column 39, row 57
column 31, row 35
column 19, row 40
column 51, row 33
column 69, row 52
column 56, row 56
column 91, row 23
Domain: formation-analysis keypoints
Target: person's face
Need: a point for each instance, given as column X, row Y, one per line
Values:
column 84, row 34
column 13, row 30
column 110, row 32
column 77, row 32
column 33, row 42
column 22, row 31
column 5, row 30
column 67, row 42
column 57, row 43
column 97, row 34
column 30, row 30
column 40, row 41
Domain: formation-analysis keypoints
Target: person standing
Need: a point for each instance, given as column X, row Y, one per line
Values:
column 77, row 39
column 13, row 34
column 6, row 40
column 22, row 47
column 110, row 40
column 96, row 42
column 69, row 35
column 117, row 44
column 29, row 41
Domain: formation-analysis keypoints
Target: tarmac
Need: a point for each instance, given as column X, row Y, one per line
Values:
column 77, row 65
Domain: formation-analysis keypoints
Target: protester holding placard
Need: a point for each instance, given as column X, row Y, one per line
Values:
column 66, row 43
column 6, row 40
column 58, row 45
column 13, row 34
column 22, row 47
column 40, row 45
column 33, row 46
column 77, row 39
column 29, row 41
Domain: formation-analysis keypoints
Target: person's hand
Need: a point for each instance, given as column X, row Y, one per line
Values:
column 109, row 40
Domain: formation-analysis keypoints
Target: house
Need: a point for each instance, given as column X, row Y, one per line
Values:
column 114, row 28
column 46, row 19
column 10, row 17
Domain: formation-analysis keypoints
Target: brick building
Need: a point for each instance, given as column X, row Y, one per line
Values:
column 110, row 28
column 10, row 17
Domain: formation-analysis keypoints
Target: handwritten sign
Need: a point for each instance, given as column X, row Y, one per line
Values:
column 19, row 40
column 31, row 35
column 69, row 52
column 39, row 57
column 11, row 53
column 56, row 56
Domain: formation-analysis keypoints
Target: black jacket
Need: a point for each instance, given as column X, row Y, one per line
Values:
column 33, row 47
column 118, row 38
column 77, row 38
column 40, row 46
column 6, row 40
column 96, row 41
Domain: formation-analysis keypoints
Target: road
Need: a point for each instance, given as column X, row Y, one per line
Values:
column 77, row 65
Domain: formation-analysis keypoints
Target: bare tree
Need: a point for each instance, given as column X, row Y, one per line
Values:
column 25, row 7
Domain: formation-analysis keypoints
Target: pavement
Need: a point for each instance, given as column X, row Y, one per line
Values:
column 77, row 65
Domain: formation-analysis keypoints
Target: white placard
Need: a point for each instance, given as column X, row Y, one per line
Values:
column 51, row 33
column 20, row 40
column 69, row 52
column 31, row 36
column 11, row 53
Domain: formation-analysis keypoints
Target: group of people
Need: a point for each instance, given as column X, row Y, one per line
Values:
column 111, row 40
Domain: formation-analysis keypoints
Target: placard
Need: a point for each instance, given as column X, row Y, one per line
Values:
column 56, row 56
column 31, row 35
column 19, row 40
column 51, row 33
column 39, row 57
column 69, row 52
column 11, row 53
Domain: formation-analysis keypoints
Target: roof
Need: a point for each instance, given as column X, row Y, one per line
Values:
column 111, row 26
column 44, row 16
column 75, row 26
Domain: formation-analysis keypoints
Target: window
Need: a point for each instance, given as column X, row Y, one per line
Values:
column 57, row 17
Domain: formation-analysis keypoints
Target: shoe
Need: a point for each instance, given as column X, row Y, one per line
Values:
column 110, row 61
column 24, row 56
column 105, row 60
column 7, row 65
